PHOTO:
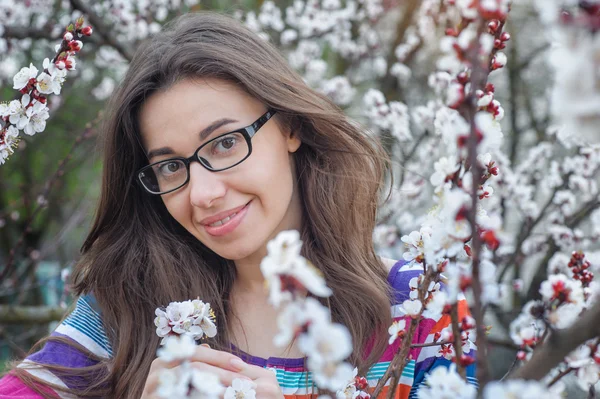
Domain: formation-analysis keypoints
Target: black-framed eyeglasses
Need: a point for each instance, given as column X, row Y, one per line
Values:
column 220, row 153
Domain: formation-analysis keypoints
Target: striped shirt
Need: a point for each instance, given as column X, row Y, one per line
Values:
column 84, row 325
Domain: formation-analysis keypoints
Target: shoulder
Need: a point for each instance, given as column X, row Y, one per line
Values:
column 388, row 263
column 84, row 325
column 400, row 272
column 78, row 342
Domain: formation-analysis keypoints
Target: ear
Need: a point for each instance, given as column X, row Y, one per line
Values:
column 293, row 142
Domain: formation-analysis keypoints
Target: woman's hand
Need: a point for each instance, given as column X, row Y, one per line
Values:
column 267, row 386
column 204, row 359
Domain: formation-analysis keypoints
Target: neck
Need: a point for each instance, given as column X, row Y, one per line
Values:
column 249, row 278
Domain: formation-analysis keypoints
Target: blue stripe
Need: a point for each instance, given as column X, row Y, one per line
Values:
column 87, row 321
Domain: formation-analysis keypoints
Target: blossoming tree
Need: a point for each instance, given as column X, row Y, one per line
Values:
column 495, row 184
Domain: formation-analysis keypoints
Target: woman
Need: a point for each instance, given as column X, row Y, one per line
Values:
column 213, row 145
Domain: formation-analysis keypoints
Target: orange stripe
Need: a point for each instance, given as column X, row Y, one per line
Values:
column 463, row 310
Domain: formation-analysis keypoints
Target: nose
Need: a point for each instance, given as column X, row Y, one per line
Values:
column 206, row 188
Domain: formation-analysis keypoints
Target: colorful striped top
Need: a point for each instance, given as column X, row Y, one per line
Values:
column 84, row 325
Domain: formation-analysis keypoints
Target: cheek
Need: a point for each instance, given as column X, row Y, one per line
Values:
column 178, row 205
column 272, row 177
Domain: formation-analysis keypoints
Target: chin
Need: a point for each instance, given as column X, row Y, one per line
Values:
column 233, row 251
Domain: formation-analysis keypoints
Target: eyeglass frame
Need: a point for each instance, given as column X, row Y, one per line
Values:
column 247, row 132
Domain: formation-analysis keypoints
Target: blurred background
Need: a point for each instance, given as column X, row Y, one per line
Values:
column 50, row 186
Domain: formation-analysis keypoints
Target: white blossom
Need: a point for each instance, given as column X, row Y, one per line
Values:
column 396, row 329
column 177, row 348
column 240, row 389
column 284, row 261
column 22, row 78
column 446, row 383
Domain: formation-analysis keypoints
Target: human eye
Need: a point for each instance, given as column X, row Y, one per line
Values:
column 225, row 145
column 168, row 169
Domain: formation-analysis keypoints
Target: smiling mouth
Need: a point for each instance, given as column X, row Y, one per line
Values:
column 222, row 221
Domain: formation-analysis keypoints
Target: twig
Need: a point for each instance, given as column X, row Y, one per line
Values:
column 560, row 375
column 510, row 369
column 103, row 30
column 428, row 344
column 401, row 358
column 22, row 32
column 527, row 228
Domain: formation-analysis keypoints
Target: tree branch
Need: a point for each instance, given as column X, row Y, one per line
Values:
column 103, row 30
column 559, row 344
column 30, row 314
column 23, row 32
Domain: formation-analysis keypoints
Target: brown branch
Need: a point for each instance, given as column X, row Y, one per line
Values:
column 30, row 314
column 23, row 32
column 389, row 82
column 399, row 361
column 428, row 344
column 457, row 344
column 559, row 344
column 560, row 375
column 102, row 29
column 479, row 77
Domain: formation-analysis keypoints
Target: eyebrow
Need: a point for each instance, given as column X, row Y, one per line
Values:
column 204, row 133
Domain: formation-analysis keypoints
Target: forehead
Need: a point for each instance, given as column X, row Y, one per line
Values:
column 175, row 116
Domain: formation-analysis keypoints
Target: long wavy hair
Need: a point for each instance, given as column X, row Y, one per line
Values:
column 137, row 257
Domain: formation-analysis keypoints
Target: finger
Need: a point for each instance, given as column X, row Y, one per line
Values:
column 158, row 363
column 151, row 384
column 225, row 376
column 214, row 357
column 252, row 371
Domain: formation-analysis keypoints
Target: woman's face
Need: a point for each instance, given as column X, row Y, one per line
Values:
column 260, row 193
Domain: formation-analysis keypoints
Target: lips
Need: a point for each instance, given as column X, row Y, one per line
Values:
column 221, row 217
column 226, row 222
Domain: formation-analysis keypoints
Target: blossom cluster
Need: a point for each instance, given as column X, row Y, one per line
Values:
column 564, row 297
column 193, row 318
column 307, row 29
column 29, row 113
column 289, row 278
column 180, row 325
column 185, row 381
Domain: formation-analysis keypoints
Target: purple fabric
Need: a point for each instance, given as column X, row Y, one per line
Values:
column 58, row 353
column 270, row 362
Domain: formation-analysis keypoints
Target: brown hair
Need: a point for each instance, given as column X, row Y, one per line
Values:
column 137, row 257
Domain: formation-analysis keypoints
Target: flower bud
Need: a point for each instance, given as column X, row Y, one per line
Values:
column 60, row 65
column 75, row 45
column 68, row 36
column 87, row 31
column 493, row 26
column 79, row 23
